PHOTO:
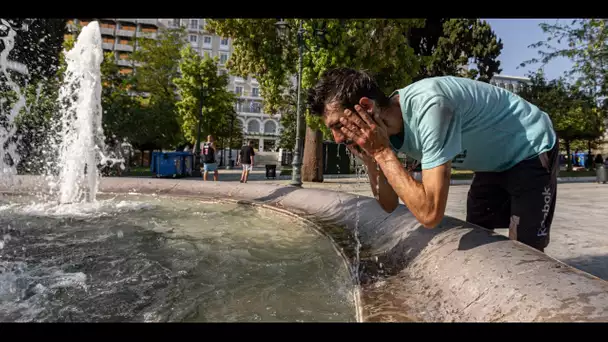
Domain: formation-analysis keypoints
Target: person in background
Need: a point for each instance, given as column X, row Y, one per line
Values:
column 599, row 160
column 246, row 159
column 208, row 159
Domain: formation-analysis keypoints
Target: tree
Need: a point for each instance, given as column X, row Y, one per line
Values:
column 379, row 45
column 287, row 139
column 586, row 46
column 157, row 62
column 202, row 84
column 445, row 46
column 574, row 114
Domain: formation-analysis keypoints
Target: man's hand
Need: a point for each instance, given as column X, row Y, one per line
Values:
column 369, row 134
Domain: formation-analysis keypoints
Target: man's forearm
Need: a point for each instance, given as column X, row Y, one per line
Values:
column 410, row 191
column 382, row 190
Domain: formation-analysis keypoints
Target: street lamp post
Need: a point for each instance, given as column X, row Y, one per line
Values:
column 197, row 147
column 232, row 115
column 296, row 175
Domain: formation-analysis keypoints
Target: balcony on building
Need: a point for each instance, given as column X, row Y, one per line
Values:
column 128, row 20
column 123, row 47
column 107, row 31
column 107, row 46
column 126, row 33
column 153, row 22
column 124, row 62
column 151, row 35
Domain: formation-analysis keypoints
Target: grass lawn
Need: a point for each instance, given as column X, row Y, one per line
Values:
column 139, row 171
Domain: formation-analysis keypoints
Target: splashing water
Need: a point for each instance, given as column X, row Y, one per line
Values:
column 9, row 158
column 357, row 242
column 81, row 133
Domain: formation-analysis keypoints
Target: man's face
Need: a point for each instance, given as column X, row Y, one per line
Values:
column 334, row 111
column 331, row 118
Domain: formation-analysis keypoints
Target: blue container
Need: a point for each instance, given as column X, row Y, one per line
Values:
column 168, row 164
column 578, row 159
column 187, row 163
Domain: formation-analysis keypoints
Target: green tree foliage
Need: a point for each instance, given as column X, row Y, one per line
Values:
column 201, row 82
column 586, row 46
column 574, row 113
column 444, row 46
column 157, row 63
column 288, row 120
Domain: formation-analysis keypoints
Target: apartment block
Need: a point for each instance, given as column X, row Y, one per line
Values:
column 261, row 128
column 511, row 83
column 119, row 36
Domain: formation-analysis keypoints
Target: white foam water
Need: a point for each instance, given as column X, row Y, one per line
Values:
column 9, row 158
column 81, row 133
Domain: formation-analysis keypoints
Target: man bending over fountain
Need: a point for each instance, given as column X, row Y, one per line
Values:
column 447, row 122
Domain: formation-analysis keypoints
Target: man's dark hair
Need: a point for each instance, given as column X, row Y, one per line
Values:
column 346, row 86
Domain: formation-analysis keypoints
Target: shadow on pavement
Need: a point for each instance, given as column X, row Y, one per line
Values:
column 594, row 264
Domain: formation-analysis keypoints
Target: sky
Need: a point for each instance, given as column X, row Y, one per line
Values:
column 516, row 35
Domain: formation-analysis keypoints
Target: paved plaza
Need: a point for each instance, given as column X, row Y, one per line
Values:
column 579, row 235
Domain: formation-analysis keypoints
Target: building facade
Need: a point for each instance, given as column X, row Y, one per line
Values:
column 119, row 36
column 261, row 128
column 511, row 83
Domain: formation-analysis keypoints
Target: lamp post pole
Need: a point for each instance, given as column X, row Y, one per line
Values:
column 296, row 175
column 197, row 147
column 229, row 166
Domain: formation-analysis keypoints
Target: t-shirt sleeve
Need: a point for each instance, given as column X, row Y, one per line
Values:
column 439, row 130
column 252, row 151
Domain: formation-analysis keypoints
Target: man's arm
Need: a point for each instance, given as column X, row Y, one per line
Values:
column 440, row 137
column 427, row 200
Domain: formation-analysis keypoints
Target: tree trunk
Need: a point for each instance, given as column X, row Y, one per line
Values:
column 569, row 165
column 312, row 165
column 141, row 158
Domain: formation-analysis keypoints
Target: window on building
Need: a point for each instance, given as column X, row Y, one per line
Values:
column 253, row 126
column 224, row 41
column 223, row 72
column 193, row 38
column 223, row 58
column 174, row 22
column 207, row 40
column 270, row 127
column 255, row 107
column 238, row 90
column 255, row 91
column 194, row 24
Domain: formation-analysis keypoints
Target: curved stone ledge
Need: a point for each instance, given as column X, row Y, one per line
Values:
column 454, row 272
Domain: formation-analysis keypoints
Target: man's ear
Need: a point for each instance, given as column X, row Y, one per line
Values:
column 367, row 104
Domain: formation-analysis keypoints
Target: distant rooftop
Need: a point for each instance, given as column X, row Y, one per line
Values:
column 511, row 78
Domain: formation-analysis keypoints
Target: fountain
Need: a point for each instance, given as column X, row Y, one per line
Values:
column 138, row 249
column 81, row 145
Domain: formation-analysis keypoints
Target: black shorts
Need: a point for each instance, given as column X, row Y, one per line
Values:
column 522, row 199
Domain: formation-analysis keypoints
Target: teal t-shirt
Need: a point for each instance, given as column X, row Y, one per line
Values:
column 478, row 126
